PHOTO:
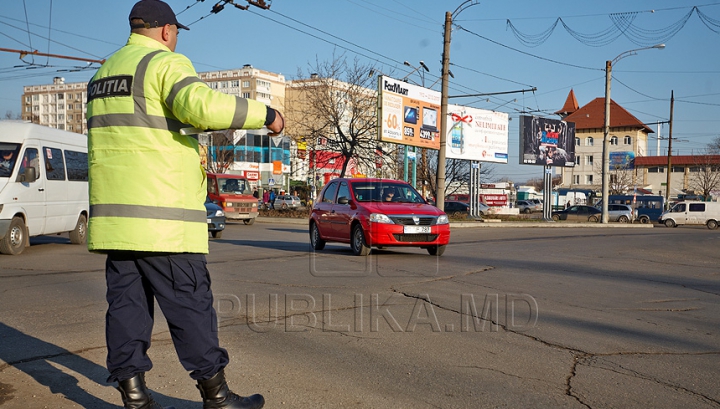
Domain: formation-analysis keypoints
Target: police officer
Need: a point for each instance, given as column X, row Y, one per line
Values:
column 147, row 190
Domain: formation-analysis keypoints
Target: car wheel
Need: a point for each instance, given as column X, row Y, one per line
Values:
column 458, row 214
column 712, row 224
column 284, row 206
column 623, row 219
column 670, row 223
column 527, row 210
column 79, row 234
column 316, row 242
column 593, row 219
column 216, row 234
column 14, row 241
column 556, row 218
column 644, row 219
column 249, row 221
column 436, row 250
column 357, row 242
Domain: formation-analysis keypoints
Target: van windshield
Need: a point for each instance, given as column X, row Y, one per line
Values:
column 234, row 186
column 8, row 158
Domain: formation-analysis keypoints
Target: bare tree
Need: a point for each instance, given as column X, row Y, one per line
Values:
column 457, row 173
column 334, row 109
column 221, row 152
column 705, row 173
column 539, row 184
column 714, row 146
column 620, row 177
column 8, row 114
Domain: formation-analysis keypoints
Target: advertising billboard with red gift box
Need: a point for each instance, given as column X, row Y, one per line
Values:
column 477, row 134
column 408, row 114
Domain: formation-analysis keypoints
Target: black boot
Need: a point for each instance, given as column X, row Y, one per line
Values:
column 217, row 395
column 135, row 394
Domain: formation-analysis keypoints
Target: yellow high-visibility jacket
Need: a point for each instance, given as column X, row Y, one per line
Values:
column 147, row 187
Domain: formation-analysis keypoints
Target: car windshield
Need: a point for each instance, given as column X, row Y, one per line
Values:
column 231, row 185
column 386, row 192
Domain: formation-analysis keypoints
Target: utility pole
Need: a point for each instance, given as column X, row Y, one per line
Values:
column 440, row 183
column 669, row 154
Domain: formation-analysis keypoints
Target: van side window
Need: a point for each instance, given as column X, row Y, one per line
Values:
column 54, row 164
column 77, row 165
column 697, row 207
column 30, row 158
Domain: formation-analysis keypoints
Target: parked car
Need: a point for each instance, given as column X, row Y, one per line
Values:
column 577, row 213
column 528, row 206
column 286, row 202
column 215, row 218
column 620, row 213
column 376, row 213
column 457, row 209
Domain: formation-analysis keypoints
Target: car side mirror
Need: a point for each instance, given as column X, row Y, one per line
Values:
column 29, row 175
column 343, row 200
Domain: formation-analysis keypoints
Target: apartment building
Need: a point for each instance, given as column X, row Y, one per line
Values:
column 628, row 140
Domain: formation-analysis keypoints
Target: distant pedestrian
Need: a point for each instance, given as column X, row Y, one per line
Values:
column 272, row 199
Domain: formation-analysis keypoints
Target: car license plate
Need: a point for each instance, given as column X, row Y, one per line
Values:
column 416, row 229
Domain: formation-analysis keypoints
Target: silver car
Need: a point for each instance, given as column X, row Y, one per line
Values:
column 528, row 206
column 620, row 213
column 285, row 202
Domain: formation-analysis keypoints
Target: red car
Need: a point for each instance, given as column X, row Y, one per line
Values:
column 377, row 213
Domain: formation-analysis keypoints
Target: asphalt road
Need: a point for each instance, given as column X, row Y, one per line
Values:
column 507, row 317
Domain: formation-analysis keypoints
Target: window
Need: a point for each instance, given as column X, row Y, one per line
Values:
column 678, row 169
column 60, row 97
column 77, row 165
column 246, row 95
column 329, row 195
column 656, row 169
column 697, row 207
column 343, row 191
column 589, row 141
column 223, row 84
column 246, row 84
column 235, row 83
column 577, row 141
column 628, row 140
column 576, row 179
column 589, row 160
column 54, row 165
column 588, row 179
column 614, row 140
column 695, row 169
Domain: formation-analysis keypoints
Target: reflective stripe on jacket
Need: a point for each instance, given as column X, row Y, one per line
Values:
column 147, row 187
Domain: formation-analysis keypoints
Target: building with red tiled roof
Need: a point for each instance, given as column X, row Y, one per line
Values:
column 628, row 137
column 690, row 173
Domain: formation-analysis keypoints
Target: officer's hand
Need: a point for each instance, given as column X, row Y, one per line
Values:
column 278, row 124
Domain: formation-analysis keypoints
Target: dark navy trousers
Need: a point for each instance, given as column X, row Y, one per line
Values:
column 181, row 285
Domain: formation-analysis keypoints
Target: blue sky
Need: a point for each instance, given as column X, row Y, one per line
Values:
column 486, row 54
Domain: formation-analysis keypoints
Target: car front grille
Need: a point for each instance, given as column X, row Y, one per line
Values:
column 408, row 220
column 415, row 237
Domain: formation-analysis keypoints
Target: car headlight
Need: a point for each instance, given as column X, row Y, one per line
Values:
column 380, row 218
column 219, row 213
column 442, row 219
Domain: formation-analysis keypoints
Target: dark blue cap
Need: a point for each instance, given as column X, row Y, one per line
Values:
column 154, row 13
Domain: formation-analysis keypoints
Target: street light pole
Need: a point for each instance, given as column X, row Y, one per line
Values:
column 606, row 128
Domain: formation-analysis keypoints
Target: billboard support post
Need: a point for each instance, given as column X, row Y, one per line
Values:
column 547, row 193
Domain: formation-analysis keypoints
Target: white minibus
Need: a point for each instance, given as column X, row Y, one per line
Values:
column 43, row 184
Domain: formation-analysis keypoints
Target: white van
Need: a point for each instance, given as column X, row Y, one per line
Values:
column 707, row 213
column 43, row 184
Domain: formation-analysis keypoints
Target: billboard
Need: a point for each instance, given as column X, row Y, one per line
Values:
column 622, row 160
column 408, row 114
column 547, row 142
column 477, row 134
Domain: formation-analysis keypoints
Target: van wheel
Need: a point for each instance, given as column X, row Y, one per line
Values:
column 712, row 224
column 249, row 221
column 14, row 241
column 644, row 219
column 79, row 235
column 670, row 223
